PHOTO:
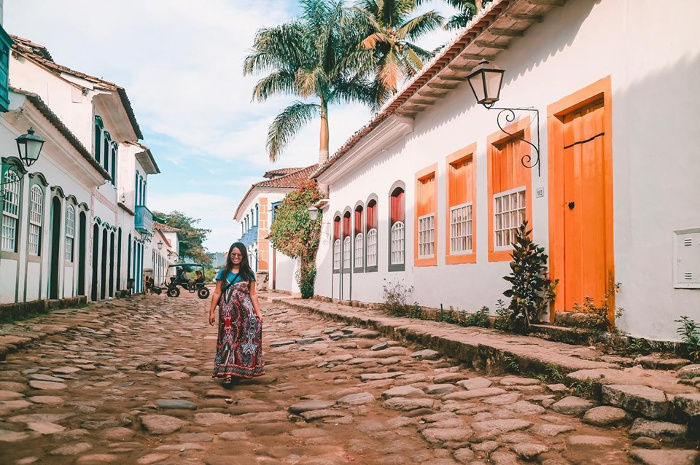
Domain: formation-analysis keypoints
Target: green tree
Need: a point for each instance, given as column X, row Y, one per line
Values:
column 294, row 234
column 466, row 9
column 191, row 238
column 315, row 58
column 388, row 32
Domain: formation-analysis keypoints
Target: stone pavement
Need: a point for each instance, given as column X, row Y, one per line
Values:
column 127, row 381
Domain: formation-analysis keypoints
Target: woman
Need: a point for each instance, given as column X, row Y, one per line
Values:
column 239, row 344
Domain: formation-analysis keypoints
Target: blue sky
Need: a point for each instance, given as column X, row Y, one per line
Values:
column 181, row 68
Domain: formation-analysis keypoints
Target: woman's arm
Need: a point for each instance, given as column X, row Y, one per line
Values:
column 254, row 300
column 214, row 301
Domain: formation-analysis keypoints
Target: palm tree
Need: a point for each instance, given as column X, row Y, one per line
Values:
column 466, row 11
column 389, row 31
column 313, row 58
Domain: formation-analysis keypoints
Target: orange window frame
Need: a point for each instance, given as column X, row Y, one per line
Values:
column 430, row 207
column 494, row 142
column 466, row 154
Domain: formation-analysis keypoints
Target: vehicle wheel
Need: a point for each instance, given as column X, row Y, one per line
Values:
column 173, row 292
column 203, row 293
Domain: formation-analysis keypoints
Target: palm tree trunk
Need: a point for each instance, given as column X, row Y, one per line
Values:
column 323, row 143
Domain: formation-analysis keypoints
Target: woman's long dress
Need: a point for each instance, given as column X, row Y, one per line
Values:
column 239, row 344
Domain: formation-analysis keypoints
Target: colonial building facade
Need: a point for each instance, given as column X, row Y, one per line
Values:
column 255, row 214
column 76, row 221
column 429, row 193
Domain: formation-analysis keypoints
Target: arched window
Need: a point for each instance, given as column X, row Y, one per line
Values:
column 347, row 241
column 36, row 211
column 336, row 244
column 359, row 239
column 98, row 137
column 105, row 152
column 114, row 163
column 371, row 239
column 70, row 232
column 10, row 211
column 397, row 242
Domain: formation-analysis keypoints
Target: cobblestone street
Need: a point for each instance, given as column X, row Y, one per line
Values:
column 129, row 382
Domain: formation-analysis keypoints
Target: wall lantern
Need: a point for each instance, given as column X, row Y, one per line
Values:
column 160, row 245
column 486, row 81
column 29, row 146
column 313, row 212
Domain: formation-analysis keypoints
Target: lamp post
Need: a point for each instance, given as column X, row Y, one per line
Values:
column 29, row 147
column 160, row 245
column 485, row 81
column 313, row 212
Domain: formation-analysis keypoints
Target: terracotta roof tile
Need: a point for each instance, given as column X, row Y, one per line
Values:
column 289, row 181
column 280, row 172
column 164, row 227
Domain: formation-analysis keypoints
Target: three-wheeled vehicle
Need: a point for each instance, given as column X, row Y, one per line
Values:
column 189, row 276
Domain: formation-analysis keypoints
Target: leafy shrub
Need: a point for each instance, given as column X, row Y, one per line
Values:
column 502, row 320
column 396, row 296
column 598, row 314
column 479, row 318
column 531, row 290
column 689, row 331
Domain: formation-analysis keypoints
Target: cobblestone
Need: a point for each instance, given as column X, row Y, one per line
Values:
column 135, row 388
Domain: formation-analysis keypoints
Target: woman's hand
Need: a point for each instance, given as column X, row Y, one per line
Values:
column 259, row 317
column 212, row 319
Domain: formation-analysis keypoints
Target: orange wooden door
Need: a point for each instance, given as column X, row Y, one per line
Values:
column 584, row 206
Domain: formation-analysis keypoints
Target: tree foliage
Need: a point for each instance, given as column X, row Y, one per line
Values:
column 388, row 32
column 294, row 234
column 314, row 58
column 191, row 238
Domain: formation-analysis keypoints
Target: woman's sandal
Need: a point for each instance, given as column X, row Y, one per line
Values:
column 228, row 381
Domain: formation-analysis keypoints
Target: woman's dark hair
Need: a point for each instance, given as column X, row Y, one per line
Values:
column 245, row 270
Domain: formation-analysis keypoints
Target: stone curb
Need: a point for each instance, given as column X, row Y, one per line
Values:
column 493, row 355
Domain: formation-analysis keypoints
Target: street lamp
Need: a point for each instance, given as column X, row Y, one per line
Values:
column 160, row 245
column 29, row 147
column 486, row 81
column 313, row 212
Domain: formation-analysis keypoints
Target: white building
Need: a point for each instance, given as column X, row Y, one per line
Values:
column 256, row 212
column 80, row 214
column 430, row 190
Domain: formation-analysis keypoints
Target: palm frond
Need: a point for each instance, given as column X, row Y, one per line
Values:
column 282, row 82
column 419, row 25
column 286, row 125
column 277, row 47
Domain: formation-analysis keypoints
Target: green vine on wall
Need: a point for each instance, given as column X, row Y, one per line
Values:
column 294, row 234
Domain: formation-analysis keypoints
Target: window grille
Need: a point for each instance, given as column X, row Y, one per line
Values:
column 359, row 249
column 398, row 243
column 426, row 236
column 372, row 247
column 336, row 254
column 10, row 211
column 461, row 233
column 70, row 232
column 346, row 253
column 36, row 204
column 509, row 211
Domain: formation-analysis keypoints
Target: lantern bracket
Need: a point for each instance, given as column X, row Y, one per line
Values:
column 507, row 116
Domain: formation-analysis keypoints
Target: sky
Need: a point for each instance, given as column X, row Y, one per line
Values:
column 182, row 71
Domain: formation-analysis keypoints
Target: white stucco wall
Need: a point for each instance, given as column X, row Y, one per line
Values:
column 655, row 75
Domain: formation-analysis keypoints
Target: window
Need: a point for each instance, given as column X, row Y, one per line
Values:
column 347, row 246
column 359, row 240
column 509, row 211
column 371, row 228
column 397, row 238
column 461, row 195
column 105, row 152
column 426, row 236
column 10, row 211
column 336, row 244
column 114, row 163
column 70, row 232
column 426, row 217
column 98, row 137
column 36, row 209
column 509, row 186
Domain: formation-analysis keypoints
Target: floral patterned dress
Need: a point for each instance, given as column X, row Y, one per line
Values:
column 239, row 343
